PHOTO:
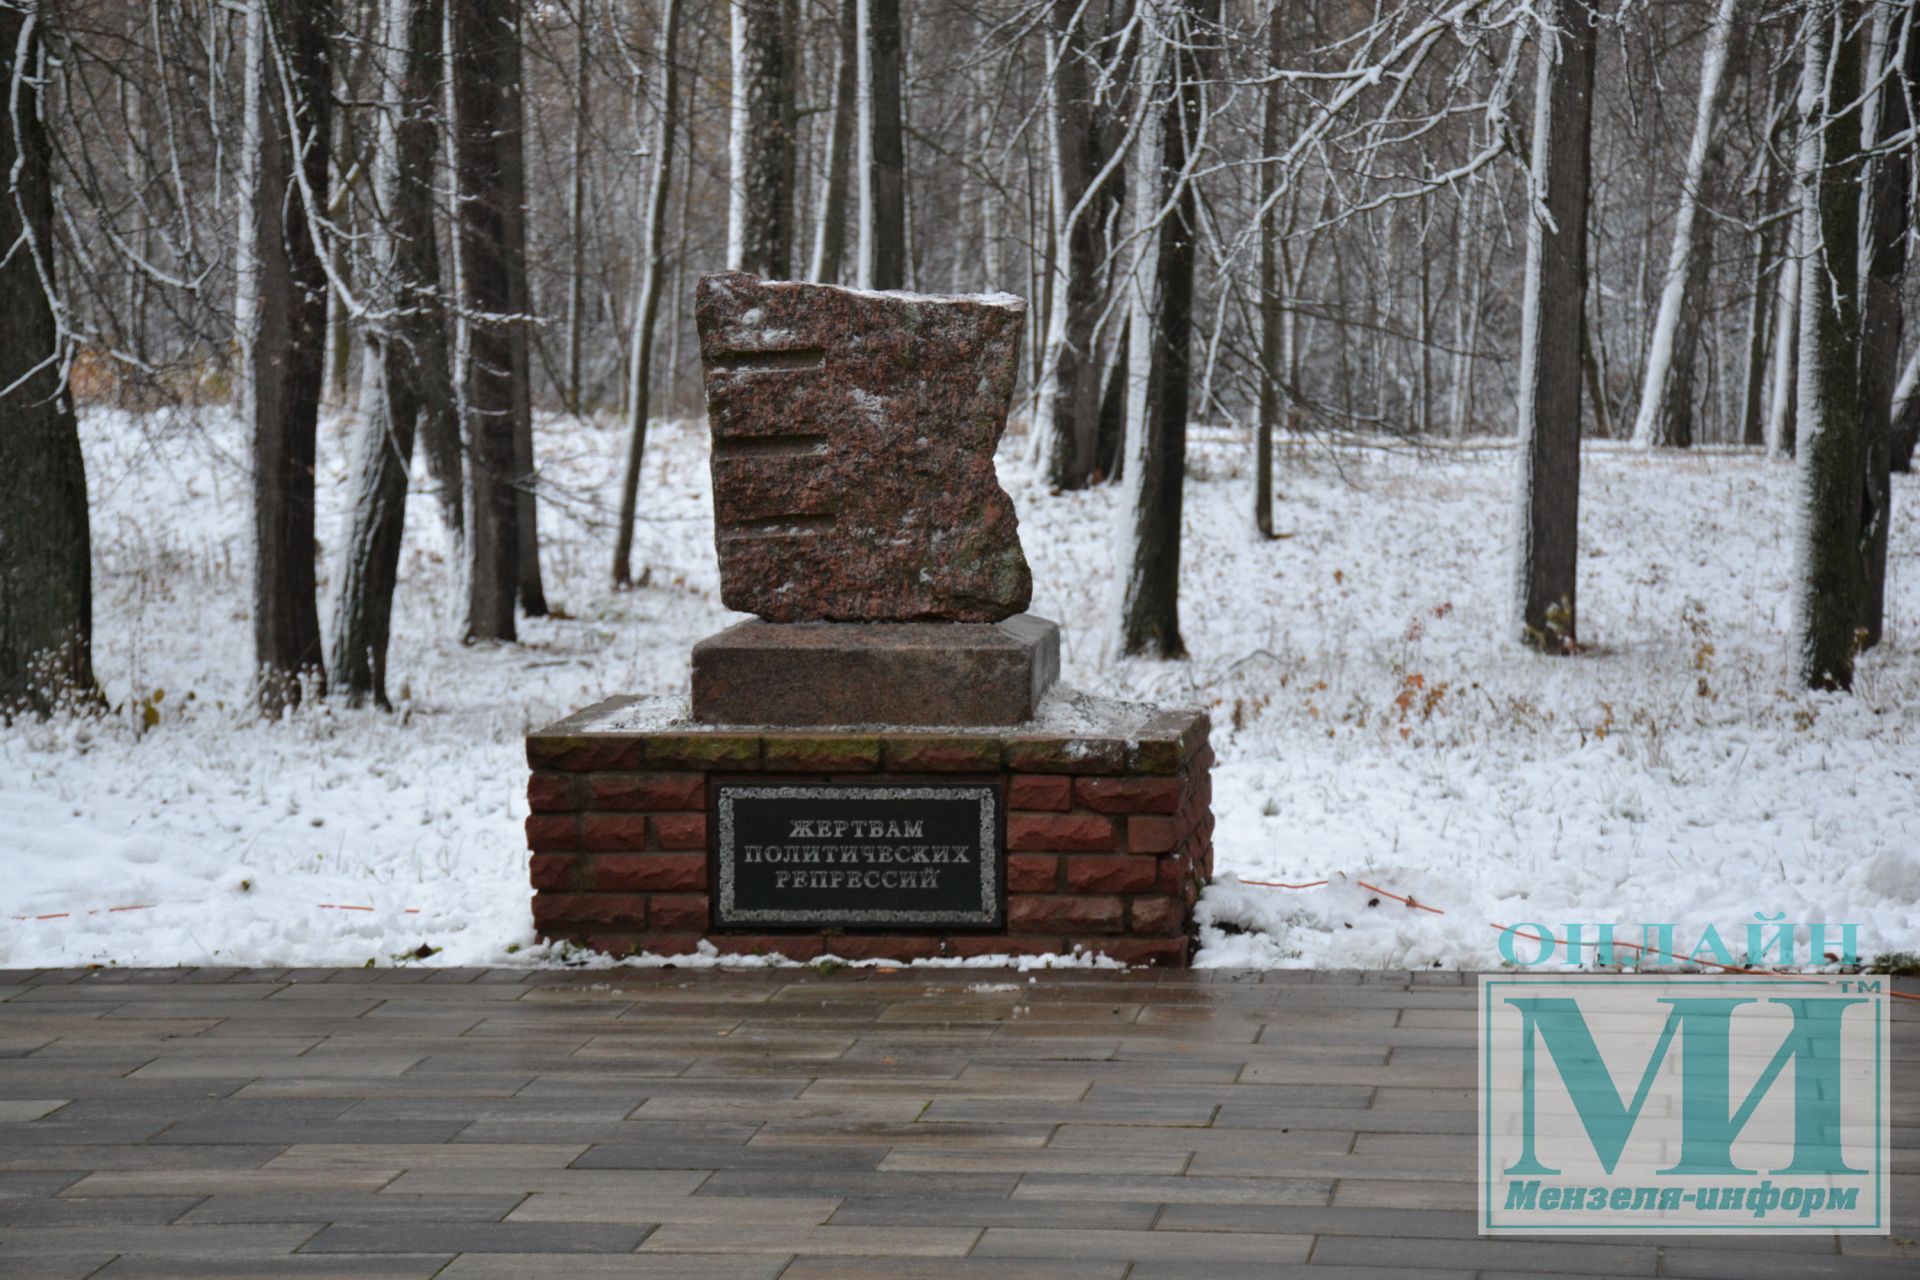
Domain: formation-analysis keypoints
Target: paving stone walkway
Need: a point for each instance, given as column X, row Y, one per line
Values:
column 694, row 1125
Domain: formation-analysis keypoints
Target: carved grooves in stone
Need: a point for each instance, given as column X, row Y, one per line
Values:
column 786, row 446
column 783, row 360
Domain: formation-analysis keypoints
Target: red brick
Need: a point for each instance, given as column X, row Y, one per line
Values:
column 1049, row 754
column 1159, row 915
column 1104, row 873
column 613, row 832
column 705, row 751
column 989, row 944
column 1151, row 833
column 583, row 754
column 1176, row 876
column 794, row 946
column 617, row 910
column 1032, row 873
column 1154, row 951
column 1040, row 791
column 678, row 911
column 552, row 870
column 1129, row 795
column 943, row 754
column 553, row 832
column 680, row 830
column 880, row 947
column 820, row 753
column 1062, row 833
column 1066, row 912
column 645, row 872
column 551, row 793
column 619, row 792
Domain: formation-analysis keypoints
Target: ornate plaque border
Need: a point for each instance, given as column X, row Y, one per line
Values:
column 727, row 915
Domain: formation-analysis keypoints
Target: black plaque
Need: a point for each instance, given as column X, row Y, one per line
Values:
column 872, row 855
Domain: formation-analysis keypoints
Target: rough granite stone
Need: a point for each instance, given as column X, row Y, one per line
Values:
column 906, row 673
column 853, row 441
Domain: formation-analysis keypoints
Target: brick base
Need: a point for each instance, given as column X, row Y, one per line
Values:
column 1109, row 838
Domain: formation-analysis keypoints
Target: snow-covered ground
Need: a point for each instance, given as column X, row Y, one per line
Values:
column 1372, row 722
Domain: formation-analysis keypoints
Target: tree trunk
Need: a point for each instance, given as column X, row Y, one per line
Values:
column 1889, row 220
column 1272, row 307
column 763, row 133
column 289, row 69
column 577, row 209
column 640, row 367
column 1666, row 397
column 407, row 380
column 830, row 230
column 1905, row 432
column 1067, row 409
column 513, row 187
column 485, row 53
column 1162, row 340
column 1552, row 311
column 46, row 567
column 883, row 190
column 1828, row 582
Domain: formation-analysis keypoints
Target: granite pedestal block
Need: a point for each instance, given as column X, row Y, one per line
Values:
column 893, row 673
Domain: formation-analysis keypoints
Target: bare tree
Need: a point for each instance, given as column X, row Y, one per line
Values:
column 1889, row 225
column 830, row 227
column 407, row 368
column 1552, row 308
column 484, row 57
column 763, row 129
column 46, row 570
column 283, row 330
column 1828, row 577
column 1666, row 398
column 883, row 192
column 1167, row 215
column 647, row 304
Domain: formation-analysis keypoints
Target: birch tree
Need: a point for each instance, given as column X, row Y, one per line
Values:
column 830, row 226
column 647, row 304
column 283, row 331
column 1666, row 398
column 1828, row 576
column 46, row 570
column 1552, row 305
column 406, row 362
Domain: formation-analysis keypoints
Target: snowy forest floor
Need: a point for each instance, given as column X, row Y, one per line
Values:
column 1371, row 719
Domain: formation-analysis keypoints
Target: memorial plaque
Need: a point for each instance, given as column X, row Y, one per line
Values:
column 859, row 855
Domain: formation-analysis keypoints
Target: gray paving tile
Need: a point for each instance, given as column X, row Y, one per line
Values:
column 1541, row 1257
column 70, row 1267
column 588, row 1266
column 335, row 1207
column 1145, row 1246
column 139, row 1211
column 734, row 1156
column 1743, row 1264
column 478, row 1237
column 629, row 1183
column 198, row 1242
column 232, row 1181
column 30, row 1185
column 842, row 1268
column 1175, row 1190
column 292, row 1267
column 994, row 1211
column 879, row 1242
column 625, row 1207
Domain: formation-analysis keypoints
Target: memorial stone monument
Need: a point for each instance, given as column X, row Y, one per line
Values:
column 880, row 763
